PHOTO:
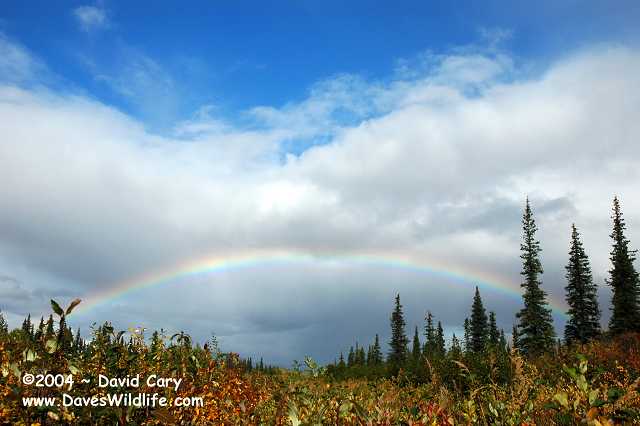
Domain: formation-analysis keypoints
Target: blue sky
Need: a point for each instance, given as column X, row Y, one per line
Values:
column 237, row 55
column 138, row 139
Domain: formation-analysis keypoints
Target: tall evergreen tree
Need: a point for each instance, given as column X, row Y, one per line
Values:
column 77, row 342
column 467, row 335
column 376, row 352
column 4, row 327
column 439, row 341
column 398, row 344
column 341, row 363
column 535, row 329
column 27, row 327
column 429, row 336
column 351, row 358
column 494, row 334
column 623, row 278
column 416, row 352
column 581, row 295
column 455, row 351
column 40, row 330
column 360, row 356
column 503, row 340
column 478, row 326
column 514, row 337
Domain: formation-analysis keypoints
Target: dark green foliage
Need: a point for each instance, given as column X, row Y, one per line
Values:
column 535, row 329
column 478, row 326
column 360, row 356
column 623, row 278
column 4, row 327
column 415, row 351
column 581, row 294
column 439, row 341
column 39, row 331
column 351, row 358
column 429, row 336
column 27, row 328
column 455, row 352
column 78, row 344
column 376, row 352
column 494, row 334
column 467, row 335
column 398, row 344
column 341, row 363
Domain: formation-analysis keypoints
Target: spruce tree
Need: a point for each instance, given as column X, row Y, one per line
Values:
column 416, row 352
column 27, row 327
column 455, row 352
column 4, row 327
column 478, row 326
column 351, row 358
column 40, row 330
column 535, row 329
column 341, row 363
column 467, row 335
column 581, row 294
column 429, row 336
column 439, row 340
column 376, row 352
column 398, row 344
column 514, row 337
column 623, row 278
column 77, row 342
column 494, row 334
column 360, row 356
column 503, row 340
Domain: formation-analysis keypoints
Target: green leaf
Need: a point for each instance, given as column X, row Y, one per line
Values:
column 345, row 407
column 56, row 308
column 73, row 304
column 593, row 395
column 614, row 394
column 13, row 367
column 571, row 372
column 73, row 369
column 599, row 403
column 51, row 345
column 562, row 398
column 29, row 355
column 293, row 414
column 581, row 382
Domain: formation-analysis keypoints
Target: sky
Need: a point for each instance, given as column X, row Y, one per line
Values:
column 274, row 173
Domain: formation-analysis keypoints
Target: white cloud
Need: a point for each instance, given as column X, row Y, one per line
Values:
column 17, row 65
column 91, row 18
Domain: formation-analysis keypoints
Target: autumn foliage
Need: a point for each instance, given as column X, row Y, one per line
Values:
column 594, row 384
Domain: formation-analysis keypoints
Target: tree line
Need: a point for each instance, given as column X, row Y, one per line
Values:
column 533, row 333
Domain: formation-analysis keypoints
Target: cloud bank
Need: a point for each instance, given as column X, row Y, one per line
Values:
column 433, row 163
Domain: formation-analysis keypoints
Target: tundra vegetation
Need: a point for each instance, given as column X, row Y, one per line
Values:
column 590, row 376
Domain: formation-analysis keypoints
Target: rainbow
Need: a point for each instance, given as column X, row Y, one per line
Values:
column 216, row 264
